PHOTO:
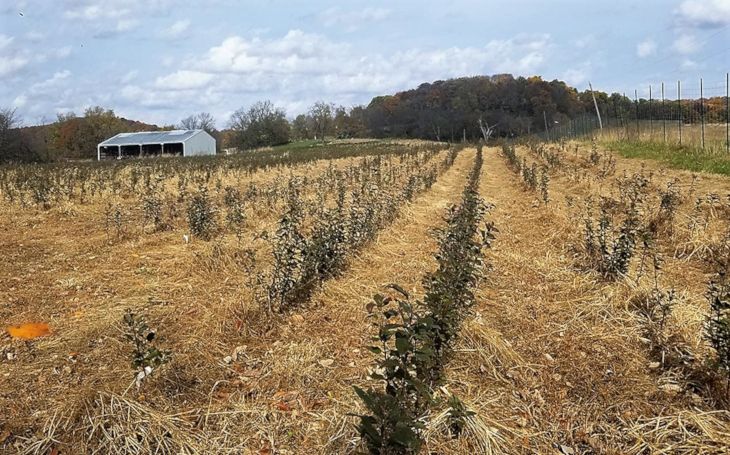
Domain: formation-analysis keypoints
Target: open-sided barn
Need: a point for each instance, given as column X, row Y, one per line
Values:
column 155, row 143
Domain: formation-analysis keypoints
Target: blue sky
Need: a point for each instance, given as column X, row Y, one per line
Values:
column 161, row 60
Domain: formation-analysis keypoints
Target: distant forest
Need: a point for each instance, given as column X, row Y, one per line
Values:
column 443, row 110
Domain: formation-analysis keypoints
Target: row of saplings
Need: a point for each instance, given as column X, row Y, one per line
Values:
column 301, row 262
column 47, row 185
column 534, row 178
column 160, row 210
column 415, row 338
column 304, row 260
column 626, row 228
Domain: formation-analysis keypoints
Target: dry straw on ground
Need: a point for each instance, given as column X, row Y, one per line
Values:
column 553, row 358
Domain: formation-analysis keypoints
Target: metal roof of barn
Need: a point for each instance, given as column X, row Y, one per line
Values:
column 150, row 137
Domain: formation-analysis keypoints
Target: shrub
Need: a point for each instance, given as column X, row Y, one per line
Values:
column 235, row 215
column 152, row 211
column 201, row 215
column 718, row 324
column 610, row 251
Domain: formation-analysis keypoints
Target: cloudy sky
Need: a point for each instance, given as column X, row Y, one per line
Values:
column 160, row 60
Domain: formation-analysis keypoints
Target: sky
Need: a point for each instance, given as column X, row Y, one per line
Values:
column 159, row 61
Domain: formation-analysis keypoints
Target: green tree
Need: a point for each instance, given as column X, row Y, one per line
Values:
column 322, row 115
column 301, row 127
column 261, row 125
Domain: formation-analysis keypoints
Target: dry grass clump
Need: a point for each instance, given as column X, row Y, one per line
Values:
column 687, row 432
column 480, row 434
column 114, row 424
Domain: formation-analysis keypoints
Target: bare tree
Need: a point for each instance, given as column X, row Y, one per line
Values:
column 201, row 121
column 9, row 120
column 486, row 130
column 322, row 115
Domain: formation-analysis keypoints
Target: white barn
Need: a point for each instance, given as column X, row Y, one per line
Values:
column 155, row 143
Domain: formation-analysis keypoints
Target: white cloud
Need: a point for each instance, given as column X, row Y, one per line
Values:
column 53, row 82
column 11, row 64
column 5, row 41
column 176, row 30
column 130, row 76
column 646, row 48
column 184, row 80
column 688, row 64
column 705, row 13
column 94, row 10
column 577, row 77
column 125, row 25
column 298, row 68
column 107, row 18
column 352, row 20
column 20, row 101
column 62, row 52
column 35, row 37
column 585, row 41
column 686, row 44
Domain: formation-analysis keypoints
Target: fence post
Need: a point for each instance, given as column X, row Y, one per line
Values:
column 679, row 101
column 625, row 120
column 664, row 116
column 636, row 101
column 702, row 114
column 651, row 116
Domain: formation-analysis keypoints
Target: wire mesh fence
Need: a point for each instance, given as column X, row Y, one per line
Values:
column 695, row 115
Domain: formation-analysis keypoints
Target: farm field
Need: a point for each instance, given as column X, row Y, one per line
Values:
column 529, row 298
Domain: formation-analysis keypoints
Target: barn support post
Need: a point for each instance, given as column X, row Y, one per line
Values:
column 119, row 152
column 162, row 149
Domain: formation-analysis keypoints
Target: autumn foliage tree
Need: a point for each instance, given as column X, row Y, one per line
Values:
column 77, row 137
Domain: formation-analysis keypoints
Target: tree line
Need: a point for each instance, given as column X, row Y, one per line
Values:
column 450, row 110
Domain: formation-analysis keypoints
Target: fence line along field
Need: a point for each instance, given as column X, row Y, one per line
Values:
column 366, row 297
